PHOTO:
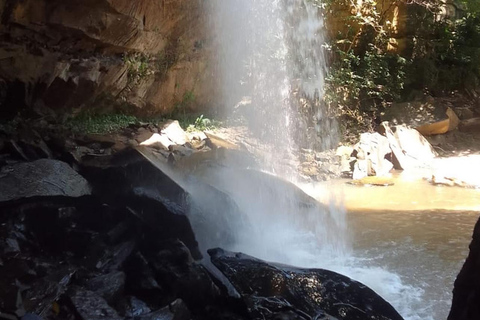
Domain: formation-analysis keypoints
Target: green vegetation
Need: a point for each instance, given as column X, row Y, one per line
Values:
column 201, row 123
column 138, row 67
column 195, row 122
column 91, row 123
column 100, row 124
column 369, row 72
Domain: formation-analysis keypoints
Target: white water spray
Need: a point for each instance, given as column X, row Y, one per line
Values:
column 270, row 54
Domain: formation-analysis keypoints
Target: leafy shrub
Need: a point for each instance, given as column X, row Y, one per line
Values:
column 366, row 76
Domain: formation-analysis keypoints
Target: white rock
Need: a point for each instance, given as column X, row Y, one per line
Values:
column 411, row 149
column 174, row 132
column 156, row 139
column 197, row 135
column 374, row 147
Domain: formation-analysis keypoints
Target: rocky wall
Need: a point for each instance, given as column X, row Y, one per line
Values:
column 64, row 56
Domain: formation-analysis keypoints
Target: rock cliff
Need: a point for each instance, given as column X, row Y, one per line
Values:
column 63, row 56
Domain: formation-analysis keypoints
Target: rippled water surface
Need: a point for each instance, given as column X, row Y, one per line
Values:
column 414, row 234
column 426, row 249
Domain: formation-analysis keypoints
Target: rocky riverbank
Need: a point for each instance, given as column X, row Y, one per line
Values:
column 94, row 230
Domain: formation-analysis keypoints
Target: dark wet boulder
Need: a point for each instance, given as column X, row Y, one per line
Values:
column 108, row 286
column 275, row 291
column 140, row 279
column 177, row 310
column 466, row 290
column 162, row 220
column 129, row 172
column 129, row 179
column 90, row 306
column 134, row 307
column 177, row 273
column 41, row 178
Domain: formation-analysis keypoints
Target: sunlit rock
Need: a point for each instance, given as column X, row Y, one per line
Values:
column 174, row 132
column 157, row 140
column 371, row 152
column 410, row 148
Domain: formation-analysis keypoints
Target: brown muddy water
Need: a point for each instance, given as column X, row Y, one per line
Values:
column 426, row 249
column 414, row 231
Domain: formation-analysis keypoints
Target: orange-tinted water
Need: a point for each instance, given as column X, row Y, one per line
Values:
column 409, row 193
column 413, row 229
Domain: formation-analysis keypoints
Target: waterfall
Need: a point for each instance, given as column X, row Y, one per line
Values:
column 271, row 65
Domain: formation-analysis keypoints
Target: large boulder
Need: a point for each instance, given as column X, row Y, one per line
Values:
column 110, row 251
column 466, row 290
column 276, row 291
column 410, row 148
column 43, row 177
column 370, row 153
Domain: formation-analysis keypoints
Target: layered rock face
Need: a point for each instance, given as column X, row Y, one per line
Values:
column 59, row 56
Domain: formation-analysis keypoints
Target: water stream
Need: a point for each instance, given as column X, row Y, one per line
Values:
column 269, row 54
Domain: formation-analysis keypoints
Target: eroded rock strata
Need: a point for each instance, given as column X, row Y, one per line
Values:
column 61, row 56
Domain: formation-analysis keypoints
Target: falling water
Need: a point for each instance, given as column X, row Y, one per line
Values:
column 271, row 65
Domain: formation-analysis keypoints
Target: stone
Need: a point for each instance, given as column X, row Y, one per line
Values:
column 373, row 181
column 410, row 148
column 30, row 150
column 181, row 150
column 91, row 306
column 197, row 135
column 466, row 289
column 440, row 127
column 109, row 286
column 41, row 178
column 465, row 113
column 215, row 141
column 42, row 293
column 457, row 171
column 174, row 268
column 158, row 140
column 373, row 147
column 140, row 277
column 134, row 307
column 177, row 310
column 344, row 151
column 470, row 125
column 174, row 132
column 362, row 169
column 143, row 135
column 273, row 289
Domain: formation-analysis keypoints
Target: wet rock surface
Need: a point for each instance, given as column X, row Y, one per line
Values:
column 42, row 177
column 120, row 247
column 274, row 291
column 72, row 258
column 466, row 290
column 123, row 246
